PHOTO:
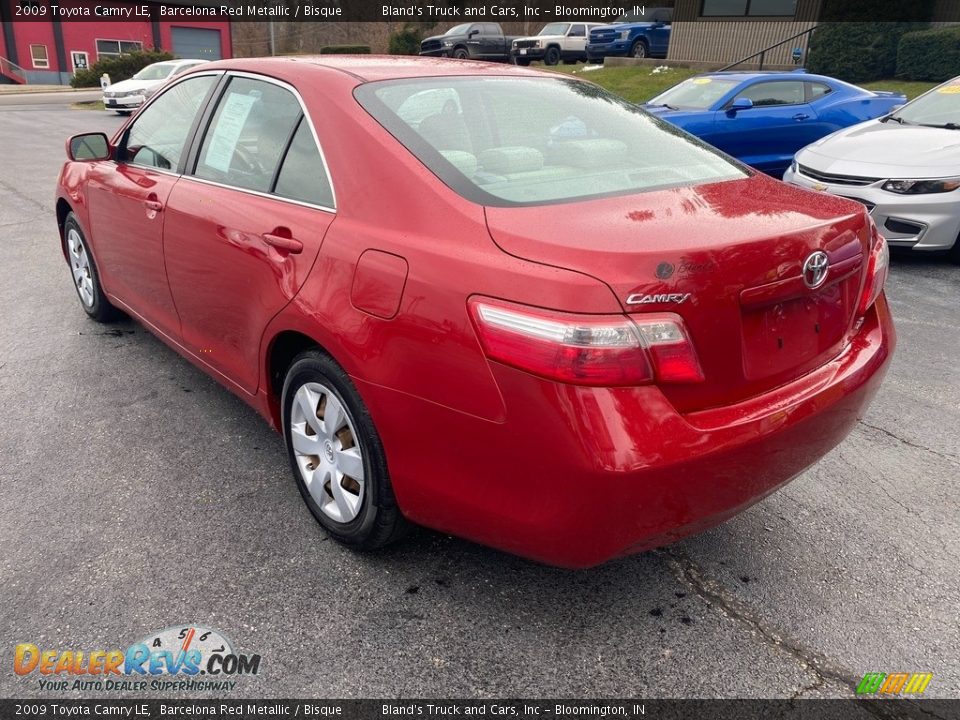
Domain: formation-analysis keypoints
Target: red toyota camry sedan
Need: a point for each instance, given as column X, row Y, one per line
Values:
column 500, row 303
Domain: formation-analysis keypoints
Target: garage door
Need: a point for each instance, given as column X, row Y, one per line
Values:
column 196, row 43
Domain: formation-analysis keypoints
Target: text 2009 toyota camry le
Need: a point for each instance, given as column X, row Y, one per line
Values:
column 499, row 303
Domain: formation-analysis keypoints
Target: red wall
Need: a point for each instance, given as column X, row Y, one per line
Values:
column 82, row 36
column 35, row 33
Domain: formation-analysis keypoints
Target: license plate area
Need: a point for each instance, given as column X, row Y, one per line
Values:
column 795, row 333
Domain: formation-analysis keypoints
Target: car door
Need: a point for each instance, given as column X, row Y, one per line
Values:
column 576, row 41
column 767, row 135
column 245, row 224
column 128, row 199
column 492, row 41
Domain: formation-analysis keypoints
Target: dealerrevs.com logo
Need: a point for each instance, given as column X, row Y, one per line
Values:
column 189, row 657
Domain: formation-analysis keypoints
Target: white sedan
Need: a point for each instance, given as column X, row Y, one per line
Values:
column 905, row 167
column 127, row 95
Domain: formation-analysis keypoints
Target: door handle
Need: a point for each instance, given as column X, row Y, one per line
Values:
column 801, row 116
column 154, row 205
column 291, row 245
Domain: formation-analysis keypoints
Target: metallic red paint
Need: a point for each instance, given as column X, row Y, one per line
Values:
column 564, row 474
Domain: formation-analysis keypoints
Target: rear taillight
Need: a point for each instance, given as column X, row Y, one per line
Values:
column 877, row 269
column 602, row 350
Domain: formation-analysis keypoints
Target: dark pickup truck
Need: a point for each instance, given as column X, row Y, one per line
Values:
column 476, row 41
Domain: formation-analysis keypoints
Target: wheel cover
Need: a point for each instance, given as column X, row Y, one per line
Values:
column 80, row 265
column 327, row 451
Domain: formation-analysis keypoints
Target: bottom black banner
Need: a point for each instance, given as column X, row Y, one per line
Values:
column 508, row 709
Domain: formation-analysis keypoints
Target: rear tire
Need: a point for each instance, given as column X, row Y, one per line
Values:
column 86, row 279
column 552, row 56
column 336, row 456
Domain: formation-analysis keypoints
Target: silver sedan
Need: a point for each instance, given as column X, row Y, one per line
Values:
column 905, row 167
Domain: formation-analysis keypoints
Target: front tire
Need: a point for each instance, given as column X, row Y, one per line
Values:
column 552, row 56
column 336, row 455
column 639, row 50
column 954, row 252
column 86, row 279
column 460, row 54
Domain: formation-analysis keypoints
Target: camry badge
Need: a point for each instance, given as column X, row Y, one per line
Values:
column 815, row 269
column 644, row 299
column 819, row 187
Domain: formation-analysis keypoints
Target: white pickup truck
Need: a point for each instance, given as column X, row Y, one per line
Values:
column 556, row 42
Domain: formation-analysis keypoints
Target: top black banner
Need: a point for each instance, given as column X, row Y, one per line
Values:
column 438, row 11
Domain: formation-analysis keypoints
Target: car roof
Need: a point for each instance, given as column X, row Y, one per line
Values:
column 370, row 68
column 743, row 76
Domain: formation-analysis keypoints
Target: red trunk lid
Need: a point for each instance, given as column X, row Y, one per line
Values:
column 728, row 257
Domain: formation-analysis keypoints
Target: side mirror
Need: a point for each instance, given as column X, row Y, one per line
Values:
column 88, row 146
column 740, row 103
column 472, row 33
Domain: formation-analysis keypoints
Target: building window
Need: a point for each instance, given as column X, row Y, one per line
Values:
column 38, row 54
column 744, row 8
column 112, row 48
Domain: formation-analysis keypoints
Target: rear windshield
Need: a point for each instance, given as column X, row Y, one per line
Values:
column 699, row 93
column 507, row 141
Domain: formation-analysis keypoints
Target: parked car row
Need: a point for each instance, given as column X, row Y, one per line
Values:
column 635, row 34
column 901, row 161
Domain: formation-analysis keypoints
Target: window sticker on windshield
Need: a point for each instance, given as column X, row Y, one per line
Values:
column 230, row 124
column 701, row 81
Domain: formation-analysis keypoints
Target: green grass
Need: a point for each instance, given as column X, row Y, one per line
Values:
column 88, row 105
column 639, row 84
column 909, row 88
column 634, row 84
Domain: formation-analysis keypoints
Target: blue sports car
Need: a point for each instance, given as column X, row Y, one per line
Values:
column 764, row 118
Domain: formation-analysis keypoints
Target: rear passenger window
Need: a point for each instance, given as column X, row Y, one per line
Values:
column 818, row 90
column 302, row 175
column 775, row 93
column 248, row 135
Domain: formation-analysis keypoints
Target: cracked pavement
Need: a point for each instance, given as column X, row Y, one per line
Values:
column 137, row 494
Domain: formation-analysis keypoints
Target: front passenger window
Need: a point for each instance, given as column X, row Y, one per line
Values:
column 158, row 136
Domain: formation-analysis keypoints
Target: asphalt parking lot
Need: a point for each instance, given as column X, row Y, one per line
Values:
column 137, row 494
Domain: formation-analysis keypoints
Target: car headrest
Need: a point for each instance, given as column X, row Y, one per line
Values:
column 506, row 160
column 592, row 153
column 463, row 161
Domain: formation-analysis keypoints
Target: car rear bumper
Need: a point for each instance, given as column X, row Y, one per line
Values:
column 576, row 476
column 921, row 222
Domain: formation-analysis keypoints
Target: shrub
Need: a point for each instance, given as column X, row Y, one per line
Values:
column 857, row 51
column 406, row 41
column 932, row 55
column 345, row 50
column 121, row 67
